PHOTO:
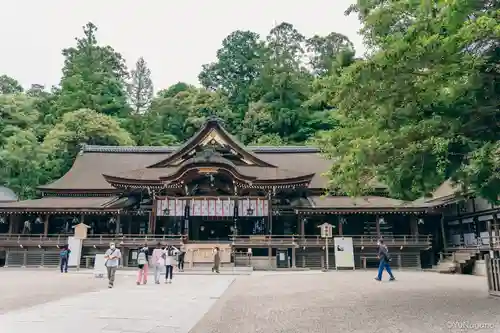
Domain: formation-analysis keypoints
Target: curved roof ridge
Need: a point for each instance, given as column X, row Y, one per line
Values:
column 170, row 149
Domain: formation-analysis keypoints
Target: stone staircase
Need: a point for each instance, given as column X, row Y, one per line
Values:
column 454, row 262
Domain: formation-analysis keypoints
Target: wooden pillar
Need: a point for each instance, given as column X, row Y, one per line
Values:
column 293, row 257
column 414, row 225
column 154, row 213
column 129, row 220
column 117, row 225
column 46, row 225
column 443, row 234
column 11, row 223
column 340, row 225
column 490, row 234
column 476, row 227
column 495, row 229
column 302, row 226
column 461, row 231
column 377, row 225
column 270, row 211
column 270, row 257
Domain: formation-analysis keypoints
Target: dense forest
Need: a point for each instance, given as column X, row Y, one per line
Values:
column 420, row 107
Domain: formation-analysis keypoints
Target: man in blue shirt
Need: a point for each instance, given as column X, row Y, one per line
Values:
column 385, row 259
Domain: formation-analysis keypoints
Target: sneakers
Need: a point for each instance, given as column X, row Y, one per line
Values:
column 391, row 279
column 168, row 281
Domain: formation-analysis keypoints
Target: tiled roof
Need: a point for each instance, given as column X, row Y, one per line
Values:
column 67, row 203
column 170, row 149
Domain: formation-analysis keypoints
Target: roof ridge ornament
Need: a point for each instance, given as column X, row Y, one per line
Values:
column 215, row 119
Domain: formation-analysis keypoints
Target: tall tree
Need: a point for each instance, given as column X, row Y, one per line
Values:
column 9, row 85
column 239, row 63
column 328, row 52
column 424, row 106
column 281, row 89
column 140, row 88
column 94, row 77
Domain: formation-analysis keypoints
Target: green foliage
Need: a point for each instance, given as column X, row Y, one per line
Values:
column 9, row 85
column 269, row 91
column 140, row 89
column 93, row 77
column 424, row 106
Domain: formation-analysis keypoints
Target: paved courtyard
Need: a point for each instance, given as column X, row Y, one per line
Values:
column 354, row 302
column 41, row 301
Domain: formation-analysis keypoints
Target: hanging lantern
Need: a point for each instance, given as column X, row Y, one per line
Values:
column 38, row 220
column 381, row 220
column 202, row 228
column 420, row 221
column 2, row 219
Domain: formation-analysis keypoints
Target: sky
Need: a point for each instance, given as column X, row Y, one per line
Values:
column 175, row 38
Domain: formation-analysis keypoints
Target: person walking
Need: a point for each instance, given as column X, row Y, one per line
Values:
column 158, row 260
column 170, row 253
column 112, row 256
column 181, row 256
column 64, row 255
column 385, row 259
column 143, row 265
column 215, row 268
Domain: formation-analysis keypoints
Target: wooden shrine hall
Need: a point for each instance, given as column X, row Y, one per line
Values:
column 212, row 191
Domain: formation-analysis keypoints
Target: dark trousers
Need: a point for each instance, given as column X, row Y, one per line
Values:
column 384, row 265
column 64, row 265
column 169, row 272
column 180, row 264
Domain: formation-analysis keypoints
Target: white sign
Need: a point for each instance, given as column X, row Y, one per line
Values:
column 344, row 252
column 99, row 267
column 75, row 245
column 326, row 230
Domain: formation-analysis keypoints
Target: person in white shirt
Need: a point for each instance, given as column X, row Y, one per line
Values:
column 112, row 256
column 170, row 253
column 158, row 260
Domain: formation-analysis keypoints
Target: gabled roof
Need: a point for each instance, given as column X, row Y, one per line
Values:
column 211, row 133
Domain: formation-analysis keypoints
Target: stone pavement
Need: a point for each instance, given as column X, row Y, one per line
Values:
column 418, row 302
column 267, row 302
column 165, row 308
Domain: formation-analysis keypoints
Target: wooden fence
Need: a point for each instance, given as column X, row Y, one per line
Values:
column 493, row 274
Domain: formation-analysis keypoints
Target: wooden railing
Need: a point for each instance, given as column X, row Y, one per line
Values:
column 239, row 240
column 479, row 243
column 358, row 240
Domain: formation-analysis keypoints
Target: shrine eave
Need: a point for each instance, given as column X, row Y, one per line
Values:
column 362, row 210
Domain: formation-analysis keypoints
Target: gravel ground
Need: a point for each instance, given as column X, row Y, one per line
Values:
column 25, row 288
column 353, row 302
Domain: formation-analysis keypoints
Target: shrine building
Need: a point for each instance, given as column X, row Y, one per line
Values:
column 213, row 191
